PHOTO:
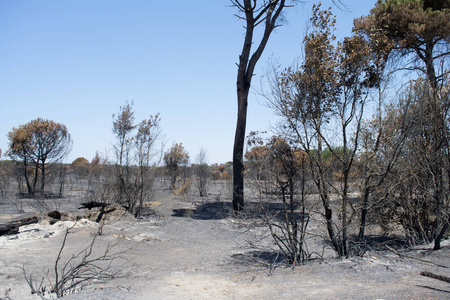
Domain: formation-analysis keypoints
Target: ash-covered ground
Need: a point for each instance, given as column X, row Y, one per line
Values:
column 191, row 248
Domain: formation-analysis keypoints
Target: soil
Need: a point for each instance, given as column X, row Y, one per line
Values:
column 191, row 248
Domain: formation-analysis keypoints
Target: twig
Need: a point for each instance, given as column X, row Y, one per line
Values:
column 395, row 251
column 48, row 277
column 79, row 269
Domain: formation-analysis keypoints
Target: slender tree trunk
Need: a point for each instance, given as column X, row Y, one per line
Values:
column 438, row 194
column 428, row 60
column 344, row 212
column 437, row 241
column 36, row 173
column 323, row 191
column 440, row 142
column 267, row 13
column 43, row 180
column 27, row 179
column 367, row 178
column 173, row 179
column 238, row 150
column 62, row 177
column 142, row 189
column 364, row 212
column 346, row 165
column 243, row 87
column 329, row 220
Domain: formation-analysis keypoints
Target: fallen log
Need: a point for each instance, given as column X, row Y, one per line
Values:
column 101, row 209
column 92, row 204
column 8, row 229
column 435, row 276
column 104, row 213
column 12, row 227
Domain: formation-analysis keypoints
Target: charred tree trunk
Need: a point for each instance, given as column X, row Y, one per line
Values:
column 364, row 212
column 27, row 178
column 36, row 174
column 13, row 226
column 43, row 170
column 321, row 184
column 238, row 150
column 267, row 12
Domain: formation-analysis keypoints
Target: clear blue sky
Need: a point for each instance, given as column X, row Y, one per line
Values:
column 76, row 62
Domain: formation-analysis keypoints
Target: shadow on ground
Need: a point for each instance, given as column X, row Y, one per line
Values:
column 265, row 258
column 205, row 211
column 220, row 210
column 434, row 289
column 380, row 243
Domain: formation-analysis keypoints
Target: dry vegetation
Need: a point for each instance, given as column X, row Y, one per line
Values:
column 337, row 204
column 194, row 247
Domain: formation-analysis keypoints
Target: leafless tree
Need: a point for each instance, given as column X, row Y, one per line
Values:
column 253, row 13
column 202, row 174
column 410, row 188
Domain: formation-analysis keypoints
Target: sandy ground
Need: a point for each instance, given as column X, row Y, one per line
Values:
column 191, row 251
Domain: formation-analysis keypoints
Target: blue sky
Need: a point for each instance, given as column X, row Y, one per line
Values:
column 76, row 62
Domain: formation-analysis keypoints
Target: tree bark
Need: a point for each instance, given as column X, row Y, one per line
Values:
column 323, row 191
column 364, row 212
column 12, row 227
column 269, row 13
column 36, row 174
column 238, row 151
column 437, row 240
column 43, row 179
column 27, row 178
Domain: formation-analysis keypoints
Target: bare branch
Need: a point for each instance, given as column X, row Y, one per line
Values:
column 78, row 270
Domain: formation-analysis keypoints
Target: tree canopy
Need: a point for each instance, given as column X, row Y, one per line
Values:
column 417, row 27
column 39, row 142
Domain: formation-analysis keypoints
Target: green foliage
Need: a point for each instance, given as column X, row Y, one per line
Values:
column 332, row 153
column 420, row 28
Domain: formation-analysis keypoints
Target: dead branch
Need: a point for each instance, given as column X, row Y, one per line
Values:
column 410, row 257
column 12, row 227
column 38, row 289
column 77, row 271
column 435, row 276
